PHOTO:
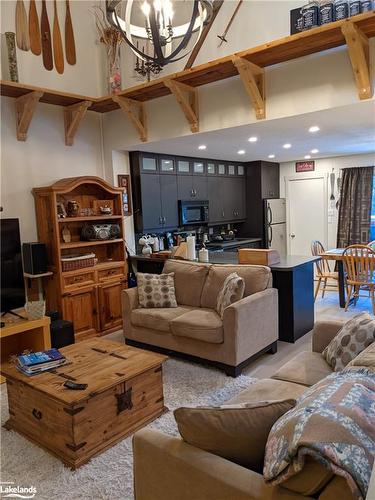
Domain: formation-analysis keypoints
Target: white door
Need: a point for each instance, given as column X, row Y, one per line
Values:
column 307, row 213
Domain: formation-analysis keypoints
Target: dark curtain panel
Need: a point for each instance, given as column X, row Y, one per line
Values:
column 355, row 206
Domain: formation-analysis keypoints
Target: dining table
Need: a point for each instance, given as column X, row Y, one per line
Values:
column 336, row 254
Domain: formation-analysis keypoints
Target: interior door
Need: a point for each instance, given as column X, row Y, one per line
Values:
column 307, row 213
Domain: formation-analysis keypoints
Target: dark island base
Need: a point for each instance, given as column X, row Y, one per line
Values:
column 231, row 371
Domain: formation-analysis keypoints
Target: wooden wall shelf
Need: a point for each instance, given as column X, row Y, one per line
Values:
column 354, row 32
column 100, row 218
column 82, row 244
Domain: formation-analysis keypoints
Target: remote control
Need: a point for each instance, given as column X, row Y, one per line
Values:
column 73, row 385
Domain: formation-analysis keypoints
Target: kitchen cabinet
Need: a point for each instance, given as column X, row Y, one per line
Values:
column 226, row 196
column 192, row 187
column 167, row 165
column 169, row 204
column 110, row 305
column 159, row 201
column 80, row 307
column 148, row 163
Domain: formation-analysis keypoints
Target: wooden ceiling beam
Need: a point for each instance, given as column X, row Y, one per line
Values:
column 136, row 112
column 187, row 98
column 73, row 116
column 359, row 55
column 253, row 79
column 25, row 107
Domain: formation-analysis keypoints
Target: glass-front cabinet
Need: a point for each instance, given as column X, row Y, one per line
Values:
column 183, row 166
column 149, row 163
column 198, row 167
column 240, row 170
column 167, row 165
column 211, row 170
column 231, row 169
column 221, row 169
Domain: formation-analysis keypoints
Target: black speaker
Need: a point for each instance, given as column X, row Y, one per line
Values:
column 62, row 333
column 34, row 257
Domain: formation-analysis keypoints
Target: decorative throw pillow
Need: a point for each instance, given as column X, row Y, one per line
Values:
column 235, row 432
column 364, row 359
column 232, row 291
column 156, row 290
column 353, row 338
column 333, row 424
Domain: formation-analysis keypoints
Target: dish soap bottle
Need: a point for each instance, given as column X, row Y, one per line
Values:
column 310, row 15
column 341, row 9
column 203, row 254
column 326, row 11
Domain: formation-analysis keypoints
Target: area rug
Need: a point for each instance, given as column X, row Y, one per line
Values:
column 109, row 476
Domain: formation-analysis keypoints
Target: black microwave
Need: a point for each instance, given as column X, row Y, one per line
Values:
column 192, row 212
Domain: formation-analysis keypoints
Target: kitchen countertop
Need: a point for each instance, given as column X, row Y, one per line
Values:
column 232, row 243
column 286, row 263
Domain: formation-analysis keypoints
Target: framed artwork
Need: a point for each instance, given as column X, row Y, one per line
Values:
column 305, row 166
column 124, row 182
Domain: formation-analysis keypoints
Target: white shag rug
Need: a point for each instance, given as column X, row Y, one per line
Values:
column 109, row 475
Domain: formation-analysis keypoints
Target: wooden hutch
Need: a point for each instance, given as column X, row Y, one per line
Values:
column 90, row 297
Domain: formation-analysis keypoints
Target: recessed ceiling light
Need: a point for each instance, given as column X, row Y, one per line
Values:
column 287, row 146
column 271, row 156
column 307, row 157
column 241, row 152
column 314, row 151
column 314, row 128
column 202, row 146
column 253, row 139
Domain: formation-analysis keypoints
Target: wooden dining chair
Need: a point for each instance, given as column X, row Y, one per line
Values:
column 323, row 271
column 359, row 261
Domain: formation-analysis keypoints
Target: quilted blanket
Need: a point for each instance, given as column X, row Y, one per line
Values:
column 334, row 423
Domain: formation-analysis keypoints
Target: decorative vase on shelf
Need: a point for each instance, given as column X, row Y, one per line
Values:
column 114, row 70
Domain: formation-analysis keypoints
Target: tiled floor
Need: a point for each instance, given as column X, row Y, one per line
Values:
column 267, row 364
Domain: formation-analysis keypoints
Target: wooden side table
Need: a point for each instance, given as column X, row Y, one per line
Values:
column 20, row 334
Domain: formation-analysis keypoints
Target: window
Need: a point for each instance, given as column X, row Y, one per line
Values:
column 372, row 222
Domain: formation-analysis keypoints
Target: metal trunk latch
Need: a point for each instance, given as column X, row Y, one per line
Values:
column 124, row 401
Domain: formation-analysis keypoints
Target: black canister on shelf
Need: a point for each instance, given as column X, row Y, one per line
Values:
column 341, row 9
column 367, row 5
column 326, row 12
column 354, row 7
column 310, row 15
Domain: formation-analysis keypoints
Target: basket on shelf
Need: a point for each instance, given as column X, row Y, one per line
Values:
column 74, row 262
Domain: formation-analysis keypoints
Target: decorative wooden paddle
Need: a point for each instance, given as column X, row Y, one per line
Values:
column 222, row 37
column 22, row 30
column 34, row 30
column 70, row 47
column 46, row 38
column 58, row 54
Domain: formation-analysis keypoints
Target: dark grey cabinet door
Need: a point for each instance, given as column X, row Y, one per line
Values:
column 151, row 201
column 185, row 187
column 270, row 181
column 168, row 195
column 215, row 198
column 200, row 189
column 230, row 197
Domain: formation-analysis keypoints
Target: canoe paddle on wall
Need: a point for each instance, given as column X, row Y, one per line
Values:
column 46, row 38
column 34, row 30
column 70, row 47
column 58, row 54
column 22, row 29
column 223, row 36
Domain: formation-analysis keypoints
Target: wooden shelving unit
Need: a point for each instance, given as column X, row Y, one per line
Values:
column 249, row 64
column 89, row 297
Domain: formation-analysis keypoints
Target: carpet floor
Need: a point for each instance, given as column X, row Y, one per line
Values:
column 109, row 475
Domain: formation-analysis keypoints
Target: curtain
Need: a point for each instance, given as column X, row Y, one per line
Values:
column 355, row 206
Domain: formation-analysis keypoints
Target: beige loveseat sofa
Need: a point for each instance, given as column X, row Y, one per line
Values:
column 194, row 329
column 167, row 468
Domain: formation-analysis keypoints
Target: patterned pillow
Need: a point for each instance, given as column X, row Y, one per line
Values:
column 156, row 290
column 232, row 291
column 352, row 339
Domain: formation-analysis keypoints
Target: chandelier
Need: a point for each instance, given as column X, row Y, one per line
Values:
column 158, row 28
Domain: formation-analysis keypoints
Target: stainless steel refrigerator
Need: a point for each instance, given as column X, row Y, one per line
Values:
column 275, row 222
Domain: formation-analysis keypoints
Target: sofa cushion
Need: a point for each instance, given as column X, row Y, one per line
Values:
column 156, row 290
column 237, row 434
column 257, row 278
column 189, row 279
column 306, row 368
column 232, row 291
column 365, row 359
column 310, row 480
column 200, row 324
column 157, row 319
column 268, row 390
column 353, row 338
column 337, row 489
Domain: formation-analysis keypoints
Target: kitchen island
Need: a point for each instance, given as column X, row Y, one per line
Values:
column 293, row 277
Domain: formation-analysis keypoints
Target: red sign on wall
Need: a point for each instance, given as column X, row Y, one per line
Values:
column 305, row 166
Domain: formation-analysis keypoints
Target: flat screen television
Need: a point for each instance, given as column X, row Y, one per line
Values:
column 12, row 281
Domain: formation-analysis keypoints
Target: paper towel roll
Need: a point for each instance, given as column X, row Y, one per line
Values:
column 190, row 240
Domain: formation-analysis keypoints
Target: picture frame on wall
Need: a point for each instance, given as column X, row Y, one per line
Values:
column 305, row 166
column 124, row 182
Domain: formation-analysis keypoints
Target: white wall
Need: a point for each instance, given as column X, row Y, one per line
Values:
column 42, row 159
column 326, row 166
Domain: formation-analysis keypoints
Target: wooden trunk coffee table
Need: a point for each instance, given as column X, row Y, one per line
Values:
column 124, row 393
